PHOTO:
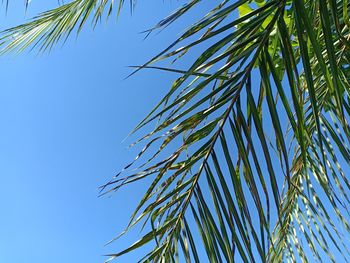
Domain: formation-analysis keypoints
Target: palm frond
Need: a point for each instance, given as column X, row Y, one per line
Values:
column 50, row 27
column 260, row 189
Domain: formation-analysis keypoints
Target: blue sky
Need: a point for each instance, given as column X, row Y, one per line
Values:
column 63, row 118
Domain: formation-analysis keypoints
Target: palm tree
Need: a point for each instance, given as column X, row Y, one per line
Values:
column 257, row 127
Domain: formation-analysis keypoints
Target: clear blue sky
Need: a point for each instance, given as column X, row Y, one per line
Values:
column 63, row 117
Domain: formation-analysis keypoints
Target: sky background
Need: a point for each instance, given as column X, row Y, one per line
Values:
column 63, row 117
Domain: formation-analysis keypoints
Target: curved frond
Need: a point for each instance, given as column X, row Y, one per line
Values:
column 48, row 28
column 260, row 124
